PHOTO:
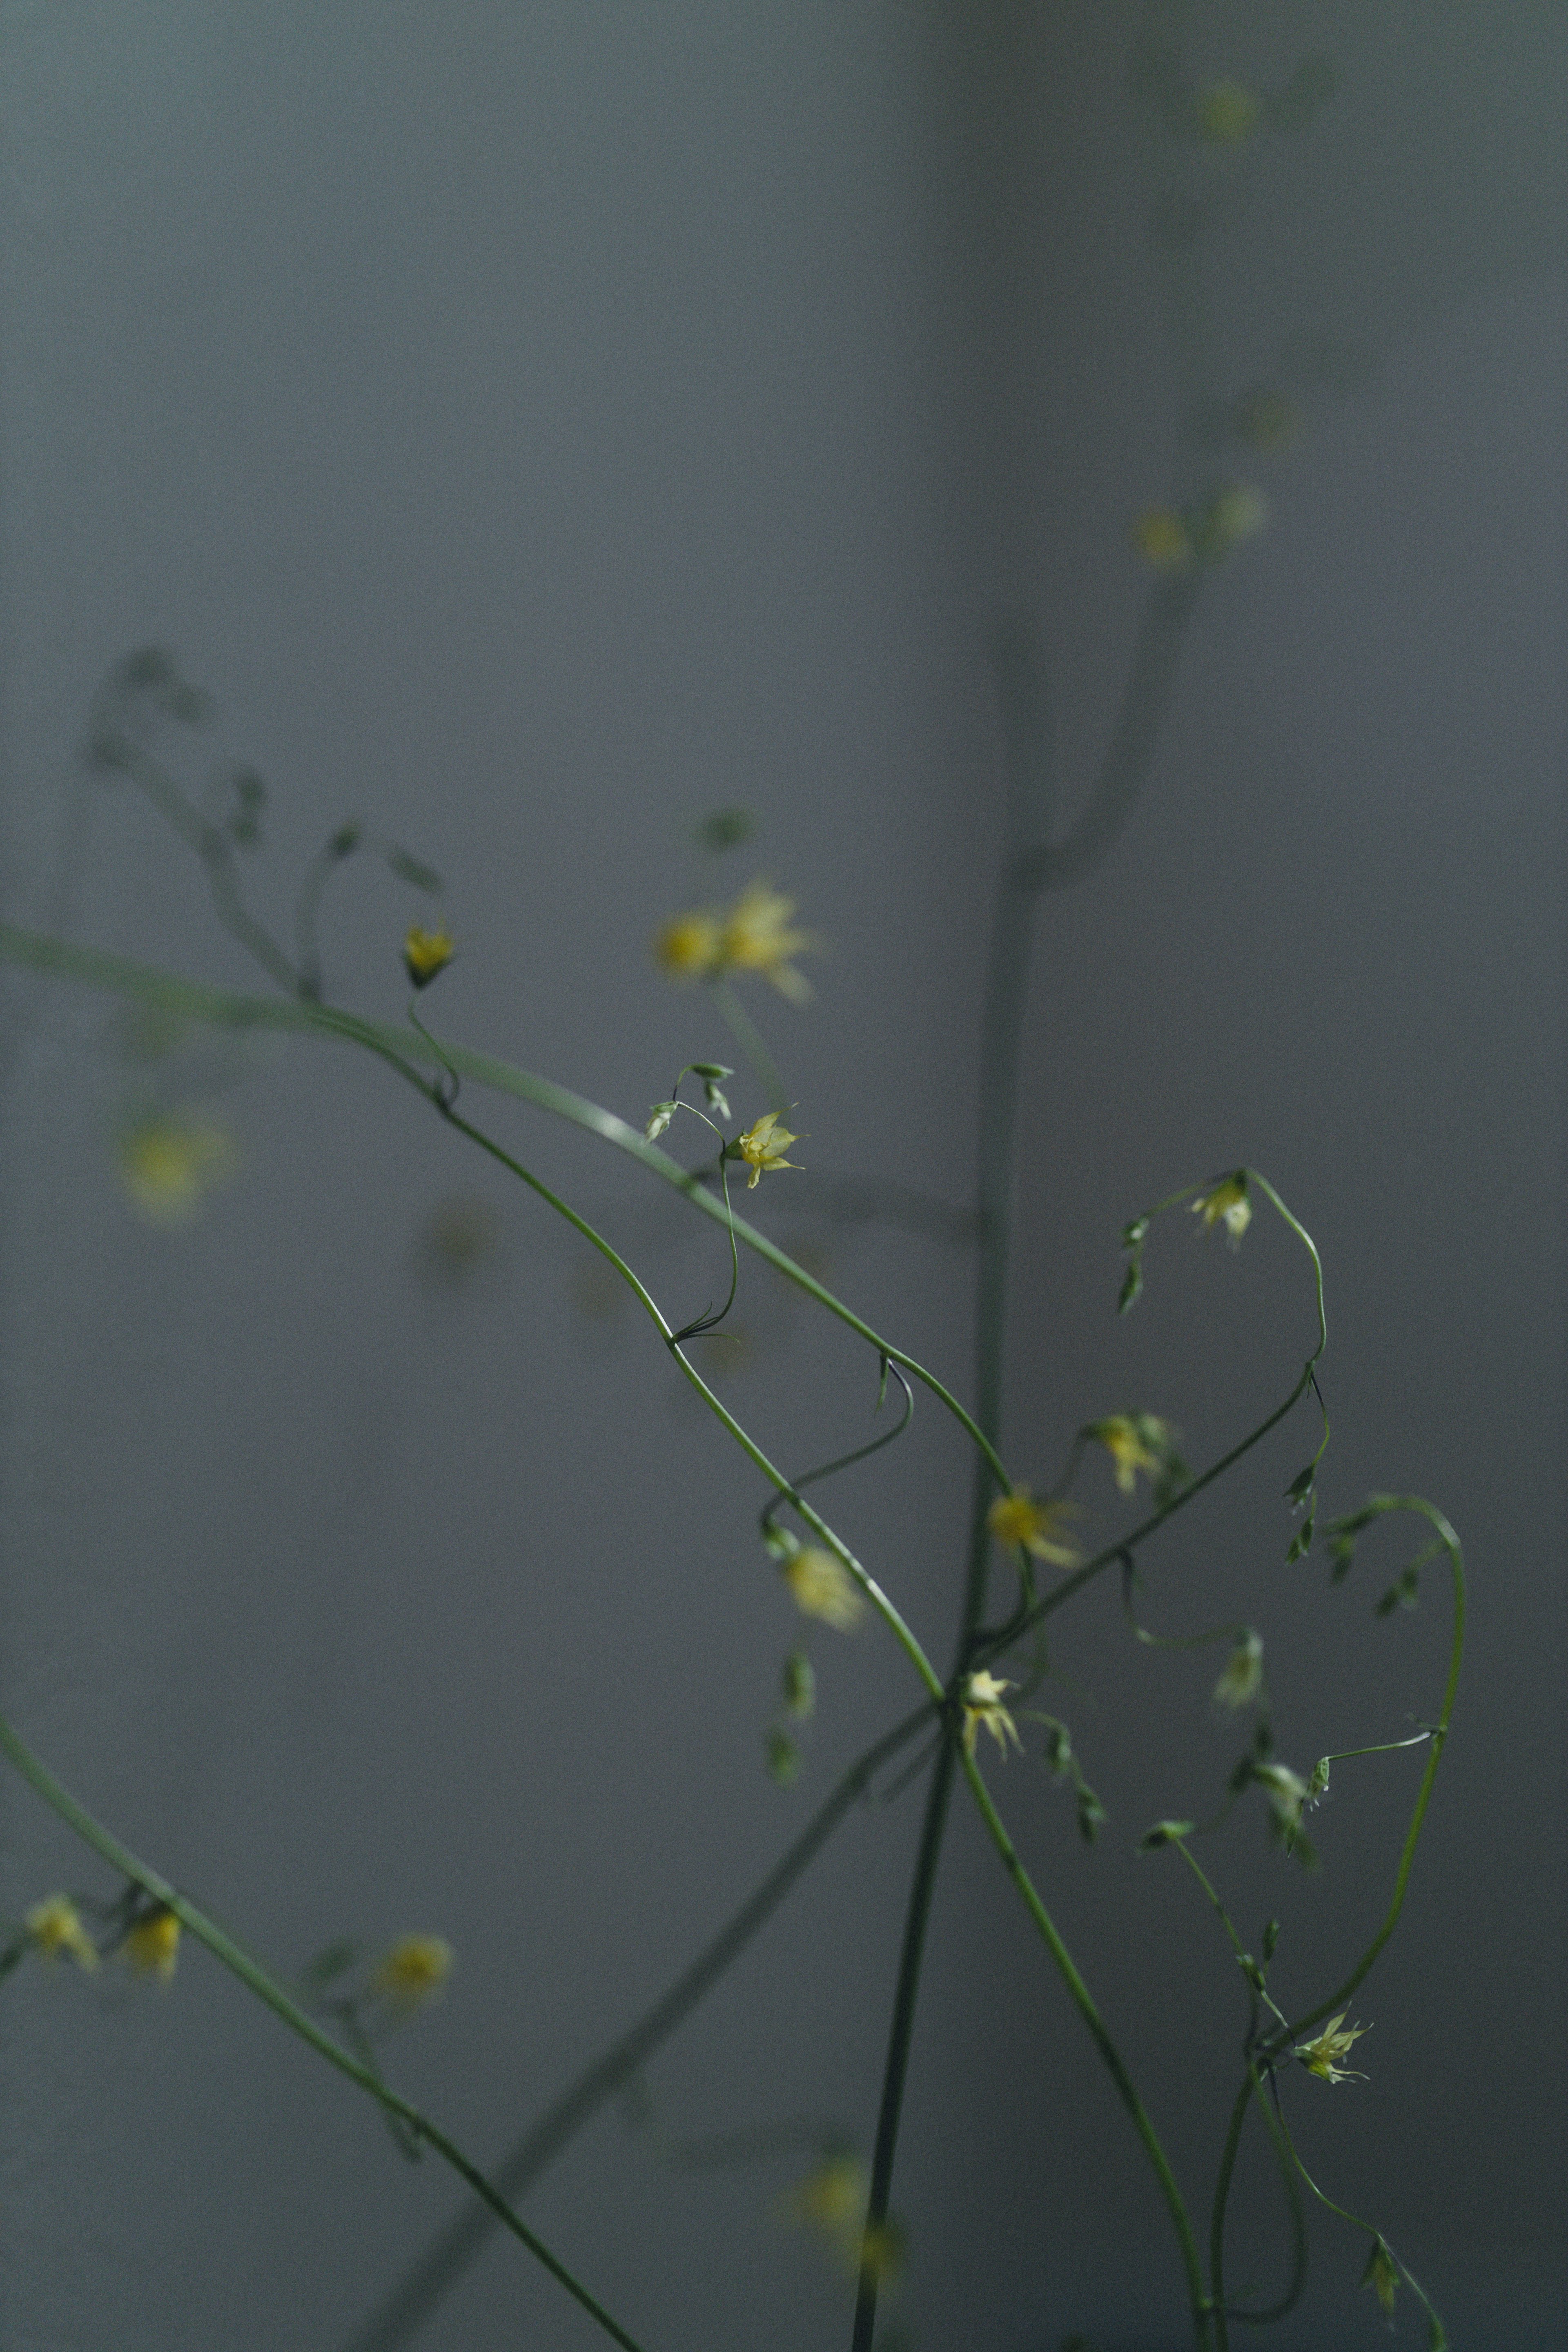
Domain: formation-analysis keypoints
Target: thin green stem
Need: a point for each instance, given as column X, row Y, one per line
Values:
column 1370, row 2228
column 436, row 2270
column 251, row 1974
column 749, row 1038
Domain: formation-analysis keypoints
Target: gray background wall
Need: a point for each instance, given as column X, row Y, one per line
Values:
column 538, row 427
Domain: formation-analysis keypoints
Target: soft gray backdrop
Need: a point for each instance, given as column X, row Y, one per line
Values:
column 538, row 426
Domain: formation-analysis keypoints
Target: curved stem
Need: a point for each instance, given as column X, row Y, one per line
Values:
column 256, row 1978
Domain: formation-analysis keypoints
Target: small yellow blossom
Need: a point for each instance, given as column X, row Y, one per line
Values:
column 1227, row 113
column 1237, row 512
column 1134, row 1441
column 690, row 947
column 153, row 1946
column 1040, row 1527
column 170, row 1162
column 1242, row 1677
column 762, row 1148
column 1163, row 540
column 823, row 1587
column 982, row 1707
column 1226, row 1203
column 758, row 936
column 414, row 1972
column 1321, row 2057
column 426, row 953
column 55, row 1927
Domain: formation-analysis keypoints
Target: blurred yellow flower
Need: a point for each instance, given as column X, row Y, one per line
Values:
column 1237, row 512
column 170, row 1162
column 983, row 1708
column 55, row 1927
column 1226, row 1203
column 426, row 953
column 1134, row 1441
column 823, row 1587
column 1321, row 2057
column 688, row 948
column 1227, row 113
column 1040, row 1527
column 1161, row 538
column 758, row 936
column 755, row 934
column 153, row 1946
column 412, row 1972
column 762, row 1147
column 1242, row 1677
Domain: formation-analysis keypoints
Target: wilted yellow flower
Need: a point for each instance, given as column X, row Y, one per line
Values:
column 1226, row 1203
column 1163, row 540
column 414, row 1971
column 982, row 1707
column 1227, row 113
column 689, row 948
column 758, row 936
column 1242, row 1678
column 55, row 1927
column 1134, row 1441
column 1381, row 2274
column 153, row 1946
column 1286, row 1792
column 823, row 1587
column 426, row 953
column 1040, row 1527
column 169, row 1164
column 1321, row 2057
column 762, row 1148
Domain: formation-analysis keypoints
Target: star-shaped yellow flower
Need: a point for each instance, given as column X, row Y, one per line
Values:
column 55, row 1927
column 1134, row 1441
column 982, row 1707
column 689, row 947
column 762, row 1148
column 758, row 936
column 1321, row 2057
column 1040, row 1527
column 414, row 1972
column 823, row 1587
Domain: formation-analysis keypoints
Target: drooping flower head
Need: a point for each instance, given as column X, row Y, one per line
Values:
column 983, row 1709
column 153, row 1944
column 412, row 1972
column 1040, row 1527
column 425, row 954
column 1134, row 1440
column 55, row 1927
column 1242, row 1677
column 762, row 1148
column 1226, row 1203
column 1321, row 2057
column 823, row 1587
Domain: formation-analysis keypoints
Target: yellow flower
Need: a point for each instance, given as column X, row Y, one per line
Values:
column 1242, row 1678
column 689, row 948
column 1226, row 1203
column 1240, row 511
column 1321, row 2057
column 426, row 953
column 1227, row 113
column 982, row 1706
column 414, row 1972
column 757, row 937
column 1040, row 1527
column 153, row 1946
column 762, row 1148
column 823, row 1587
column 169, row 1164
column 1161, row 538
column 55, row 1927
column 1134, row 1441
